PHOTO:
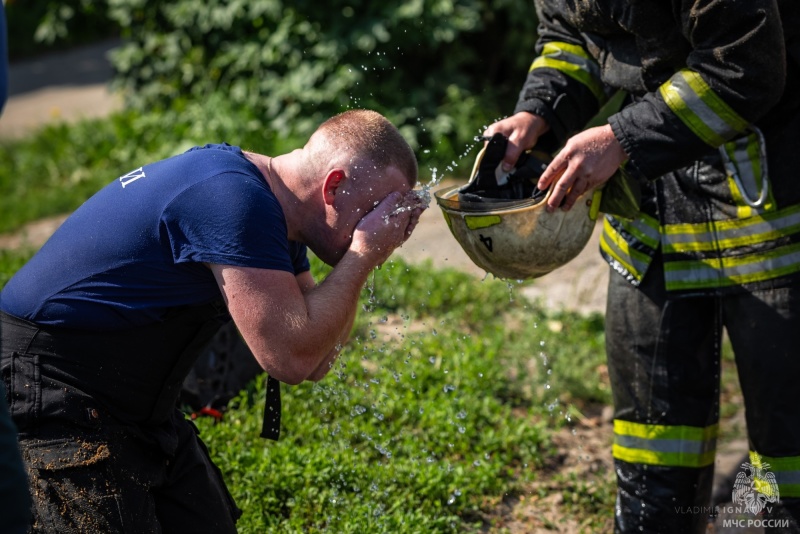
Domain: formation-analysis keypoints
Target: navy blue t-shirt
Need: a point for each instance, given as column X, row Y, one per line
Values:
column 137, row 247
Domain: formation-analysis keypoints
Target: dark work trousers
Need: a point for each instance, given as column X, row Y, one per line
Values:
column 664, row 365
column 90, row 468
column 15, row 499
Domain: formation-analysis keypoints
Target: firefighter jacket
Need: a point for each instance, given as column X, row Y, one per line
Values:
column 710, row 122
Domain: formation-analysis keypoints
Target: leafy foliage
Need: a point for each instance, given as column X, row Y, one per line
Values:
column 36, row 26
column 432, row 414
column 439, row 69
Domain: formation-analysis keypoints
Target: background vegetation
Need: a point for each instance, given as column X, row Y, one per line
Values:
column 444, row 403
column 441, row 70
column 448, row 400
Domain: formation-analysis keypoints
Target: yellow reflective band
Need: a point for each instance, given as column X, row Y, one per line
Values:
column 644, row 229
column 683, row 432
column 700, row 108
column 556, row 47
column 572, row 61
column 620, row 257
column 786, row 470
column 731, row 233
column 677, row 446
column 723, row 272
column 789, row 490
column 476, row 222
column 615, row 246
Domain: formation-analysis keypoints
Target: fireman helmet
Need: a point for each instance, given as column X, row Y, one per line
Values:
column 500, row 221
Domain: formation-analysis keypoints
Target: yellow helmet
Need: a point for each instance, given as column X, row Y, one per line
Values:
column 500, row 221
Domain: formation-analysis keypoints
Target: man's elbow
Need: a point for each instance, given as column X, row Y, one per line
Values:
column 290, row 369
column 290, row 374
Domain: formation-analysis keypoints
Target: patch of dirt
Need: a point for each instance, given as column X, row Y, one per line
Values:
column 569, row 493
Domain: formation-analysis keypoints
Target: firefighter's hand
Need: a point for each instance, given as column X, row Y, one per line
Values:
column 522, row 130
column 587, row 161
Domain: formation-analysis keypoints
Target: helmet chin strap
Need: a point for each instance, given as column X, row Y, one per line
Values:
column 490, row 183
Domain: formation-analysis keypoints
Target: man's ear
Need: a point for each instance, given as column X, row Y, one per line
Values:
column 333, row 181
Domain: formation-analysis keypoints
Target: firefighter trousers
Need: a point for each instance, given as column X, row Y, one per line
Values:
column 664, row 363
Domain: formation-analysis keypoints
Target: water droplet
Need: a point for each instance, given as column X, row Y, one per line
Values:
column 454, row 496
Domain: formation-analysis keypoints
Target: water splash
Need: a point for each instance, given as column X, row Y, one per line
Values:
column 416, row 198
column 455, row 495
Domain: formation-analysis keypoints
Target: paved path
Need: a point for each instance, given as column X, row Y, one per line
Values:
column 64, row 86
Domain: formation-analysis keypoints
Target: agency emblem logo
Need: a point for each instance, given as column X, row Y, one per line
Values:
column 755, row 486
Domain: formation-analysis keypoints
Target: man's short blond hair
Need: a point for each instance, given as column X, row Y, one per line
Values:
column 362, row 136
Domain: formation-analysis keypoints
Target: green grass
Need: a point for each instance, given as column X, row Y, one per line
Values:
column 10, row 262
column 444, row 401
column 54, row 170
column 435, row 410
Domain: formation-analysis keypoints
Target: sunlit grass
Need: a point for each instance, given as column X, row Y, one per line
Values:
column 436, row 409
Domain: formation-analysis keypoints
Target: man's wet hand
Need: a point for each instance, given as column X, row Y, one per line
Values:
column 385, row 228
column 416, row 202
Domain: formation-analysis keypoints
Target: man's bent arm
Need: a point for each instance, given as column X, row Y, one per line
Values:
column 291, row 333
column 307, row 282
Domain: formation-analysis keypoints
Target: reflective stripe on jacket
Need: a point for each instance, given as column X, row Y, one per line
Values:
column 711, row 125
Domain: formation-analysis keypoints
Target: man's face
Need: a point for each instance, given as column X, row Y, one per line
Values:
column 355, row 199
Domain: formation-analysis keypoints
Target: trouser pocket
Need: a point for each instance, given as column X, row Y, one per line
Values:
column 73, row 486
column 24, row 393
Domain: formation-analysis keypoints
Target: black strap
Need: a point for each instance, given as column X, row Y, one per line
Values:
column 271, row 427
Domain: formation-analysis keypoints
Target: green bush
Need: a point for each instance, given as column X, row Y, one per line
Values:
column 37, row 26
column 439, row 69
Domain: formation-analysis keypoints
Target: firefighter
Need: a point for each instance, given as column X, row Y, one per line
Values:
column 102, row 325
column 709, row 129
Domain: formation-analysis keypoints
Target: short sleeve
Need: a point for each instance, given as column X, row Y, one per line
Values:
column 299, row 254
column 229, row 219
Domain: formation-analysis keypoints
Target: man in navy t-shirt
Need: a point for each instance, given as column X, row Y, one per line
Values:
column 102, row 325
